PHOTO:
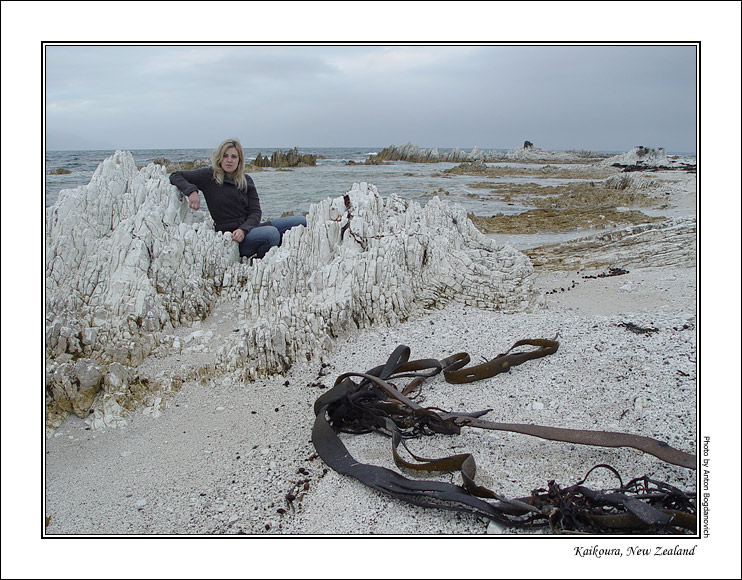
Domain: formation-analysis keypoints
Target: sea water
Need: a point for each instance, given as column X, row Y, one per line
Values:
column 294, row 190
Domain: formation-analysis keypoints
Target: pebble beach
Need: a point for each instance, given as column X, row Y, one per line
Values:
column 224, row 455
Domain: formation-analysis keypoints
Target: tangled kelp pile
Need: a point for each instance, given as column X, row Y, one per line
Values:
column 376, row 404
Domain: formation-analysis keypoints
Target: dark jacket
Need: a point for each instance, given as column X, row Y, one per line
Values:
column 229, row 207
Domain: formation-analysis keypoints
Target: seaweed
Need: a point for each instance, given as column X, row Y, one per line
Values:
column 611, row 272
column 375, row 404
column 636, row 329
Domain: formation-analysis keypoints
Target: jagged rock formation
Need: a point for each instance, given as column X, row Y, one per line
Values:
column 529, row 153
column 626, row 181
column 365, row 260
column 639, row 155
column 526, row 154
column 414, row 154
column 279, row 159
column 667, row 243
column 127, row 262
column 181, row 165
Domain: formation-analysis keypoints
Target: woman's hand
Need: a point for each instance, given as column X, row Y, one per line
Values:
column 194, row 202
column 238, row 235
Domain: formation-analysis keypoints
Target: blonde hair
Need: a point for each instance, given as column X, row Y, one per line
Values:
column 239, row 173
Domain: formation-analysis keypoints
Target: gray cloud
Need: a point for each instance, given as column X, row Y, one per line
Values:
column 560, row 97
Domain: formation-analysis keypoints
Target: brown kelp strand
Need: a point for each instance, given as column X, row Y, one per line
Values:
column 364, row 402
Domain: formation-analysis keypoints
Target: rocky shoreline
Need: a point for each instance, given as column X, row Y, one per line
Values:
column 363, row 260
column 207, row 420
column 528, row 153
column 224, row 455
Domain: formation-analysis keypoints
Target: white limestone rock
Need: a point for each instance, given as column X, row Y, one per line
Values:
column 365, row 260
column 127, row 262
column 639, row 156
column 415, row 154
column 668, row 243
column 535, row 154
column 126, row 259
column 630, row 182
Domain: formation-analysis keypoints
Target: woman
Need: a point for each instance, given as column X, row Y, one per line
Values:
column 232, row 200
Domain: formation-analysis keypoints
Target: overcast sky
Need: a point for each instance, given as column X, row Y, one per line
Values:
column 581, row 96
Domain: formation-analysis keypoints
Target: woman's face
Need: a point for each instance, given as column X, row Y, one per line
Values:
column 230, row 160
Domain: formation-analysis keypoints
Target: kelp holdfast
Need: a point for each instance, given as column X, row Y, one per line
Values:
column 373, row 403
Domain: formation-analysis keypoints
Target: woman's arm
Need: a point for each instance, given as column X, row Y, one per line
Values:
column 190, row 181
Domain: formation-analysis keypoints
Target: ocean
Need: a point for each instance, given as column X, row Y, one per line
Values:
column 296, row 189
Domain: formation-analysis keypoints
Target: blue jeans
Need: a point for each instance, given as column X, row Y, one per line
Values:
column 262, row 238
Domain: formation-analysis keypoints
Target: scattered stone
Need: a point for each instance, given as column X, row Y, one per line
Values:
column 494, row 528
column 627, row 287
column 640, row 403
